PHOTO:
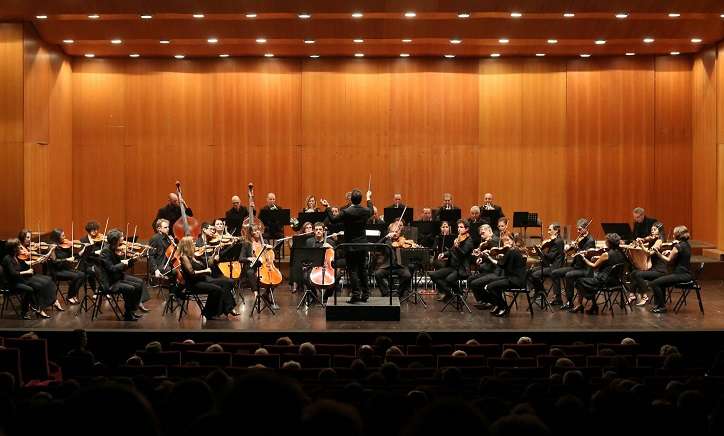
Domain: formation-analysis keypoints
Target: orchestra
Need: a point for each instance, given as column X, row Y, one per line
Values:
column 480, row 253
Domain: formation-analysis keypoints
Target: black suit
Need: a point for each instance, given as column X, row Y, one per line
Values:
column 553, row 259
column 577, row 270
column 643, row 229
column 274, row 230
column 235, row 219
column 117, row 281
column 436, row 212
column 354, row 219
column 459, row 259
column 382, row 273
column 157, row 259
column 497, row 213
column 171, row 213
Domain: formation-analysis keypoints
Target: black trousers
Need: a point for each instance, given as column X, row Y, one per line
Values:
column 659, row 286
column 569, row 275
column 75, row 280
column 537, row 276
column 357, row 271
column 213, row 297
column 446, row 279
column 382, row 276
column 227, row 300
column 496, row 288
column 131, row 288
column 641, row 279
column 478, row 283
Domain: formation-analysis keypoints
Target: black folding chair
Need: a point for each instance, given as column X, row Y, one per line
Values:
column 685, row 289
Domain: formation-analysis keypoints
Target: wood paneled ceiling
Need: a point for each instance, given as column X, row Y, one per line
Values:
column 116, row 28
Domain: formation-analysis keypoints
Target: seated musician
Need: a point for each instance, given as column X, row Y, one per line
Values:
column 658, row 268
column 172, row 210
column 220, row 227
column 91, row 245
column 503, row 227
column 382, row 273
column 62, row 265
column 513, row 267
column 552, row 256
column 680, row 259
column 426, row 238
column 578, row 269
column 197, row 274
column 207, row 236
column 114, row 264
column 458, row 263
column 475, row 221
column 295, row 274
column 234, row 217
column 158, row 262
column 254, row 236
column 443, row 242
column 487, row 271
column 447, row 204
column 375, row 218
column 310, row 204
column 602, row 266
column 642, row 223
column 396, row 202
column 319, row 241
column 37, row 290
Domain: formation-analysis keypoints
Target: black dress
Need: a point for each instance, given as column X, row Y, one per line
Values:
column 63, row 270
column 602, row 276
column 36, row 289
column 681, row 272
column 219, row 300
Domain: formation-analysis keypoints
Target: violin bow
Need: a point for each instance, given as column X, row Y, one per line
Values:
column 103, row 240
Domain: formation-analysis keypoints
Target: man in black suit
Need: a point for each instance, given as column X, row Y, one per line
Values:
column 235, row 216
column 172, row 211
column 488, row 205
column 642, row 223
column 396, row 202
column 447, row 204
column 354, row 219
column 274, row 230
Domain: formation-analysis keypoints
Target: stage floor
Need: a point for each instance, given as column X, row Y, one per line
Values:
column 413, row 318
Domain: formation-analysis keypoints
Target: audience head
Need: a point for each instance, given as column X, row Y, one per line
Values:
column 628, row 341
column 261, row 350
column 214, row 348
column 284, row 340
column 524, row 340
column 423, row 340
column 307, row 349
column 510, row 353
column 291, row 365
column 153, row 347
column 459, row 353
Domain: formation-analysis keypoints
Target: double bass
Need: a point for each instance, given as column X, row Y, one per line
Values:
column 184, row 226
column 269, row 275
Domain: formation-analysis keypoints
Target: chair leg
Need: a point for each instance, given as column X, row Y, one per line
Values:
column 698, row 297
column 530, row 304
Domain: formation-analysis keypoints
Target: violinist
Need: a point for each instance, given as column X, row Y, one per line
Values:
column 197, row 275
column 458, row 263
column 37, row 290
column 172, row 211
column 577, row 269
column 513, row 267
column 680, row 259
column 395, row 240
column 208, row 233
column 114, row 263
column 160, row 241
column 487, row 271
column 220, row 228
column 552, row 256
column 602, row 276
column 61, row 264
column 658, row 268
column 235, row 216
column 91, row 243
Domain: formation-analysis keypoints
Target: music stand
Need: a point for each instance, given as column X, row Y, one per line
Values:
column 527, row 219
column 489, row 216
column 623, row 230
column 295, row 267
column 392, row 213
column 233, row 254
column 450, row 215
column 426, row 230
column 310, row 257
column 273, row 219
column 414, row 259
column 311, row 217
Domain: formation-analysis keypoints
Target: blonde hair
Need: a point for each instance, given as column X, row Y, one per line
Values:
column 186, row 246
column 681, row 233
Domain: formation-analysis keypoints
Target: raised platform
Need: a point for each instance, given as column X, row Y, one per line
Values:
column 375, row 309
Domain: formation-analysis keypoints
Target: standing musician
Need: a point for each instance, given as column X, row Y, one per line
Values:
column 61, row 265
column 396, row 202
column 458, row 263
column 171, row 211
column 274, row 230
column 513, row 267
column 642, row 223
column 382, row 273
column 160, row 241
column 447, row 204
column 114, row 264
column 641, row 279
column 487, row 272
column 552, row 256
column 37, row 290
column 475, row 221
column 235, row 216
column 354, row 218
column 319, row 241
column 310, row 204
column 197, row 274
column 578, row 268
column 503, row 227
column 488, row 205
column 602, row 276
column 680, row 259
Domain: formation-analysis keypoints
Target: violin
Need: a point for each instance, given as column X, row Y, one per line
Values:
column 591, row 253
column 484, row 245
column 460, row 239
column 495, row 251
column 402, row 242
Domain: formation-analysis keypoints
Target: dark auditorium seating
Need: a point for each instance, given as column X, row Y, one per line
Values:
column 527, row 350
column 246, row 360
column 240, row 347
column 404, row 361
column 10, row 362
column 547, row 361
column 207, row 358
column 523, row 362
column 578, row 349
column 461, row 361
column 436, row 350
column 180, row 346
column 335, row 349
column 630, row 350
column 488, row 350
column 33, row 357
column 312, row 361
column 160, row 358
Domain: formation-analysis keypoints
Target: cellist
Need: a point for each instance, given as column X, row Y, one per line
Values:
column 320, row 240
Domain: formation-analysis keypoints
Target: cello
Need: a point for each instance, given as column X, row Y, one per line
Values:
column 269, row 275
column 324, row 275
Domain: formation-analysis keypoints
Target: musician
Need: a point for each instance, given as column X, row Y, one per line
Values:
column 488, row 205
column 157, row 261
column 91, row 243
column 25, row 237
column 37, row 290
column 375, row 218
column 274, row 230
column 382, row 273
column 208, row 233
column 172, row 211
column 396, row 202
column 310, row 204
column 513, row 266
column 235, row 216
column 578, row 269
column 348, row 199
column 426, row 235
column 354, row 219
column 443, row 242
column 197, row 275
column 680, row 259
column 641, row 279
column 447, row 204
column 642, row 223
column 458, row 263
column 602, row 275
column 61, row 265
column 114, row 265
column 426, row 214
column 319, row 241
column 551, row 258
column 503, row 227
column 220, row 227
column 475, row 221
column 487, row 271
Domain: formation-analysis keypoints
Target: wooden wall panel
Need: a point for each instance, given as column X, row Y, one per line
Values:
column 11, row 129
column 704, row 151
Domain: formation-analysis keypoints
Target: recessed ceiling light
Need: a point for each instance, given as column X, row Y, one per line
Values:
column 146, row 17
column 90, row 55
column 251, row 15
column 198, row 15
column 358, row 41
column 503, row 40
column 649, row 40
column 68, row 41
column 314, row 56
column 404, row 55
column 721, row 15
column 165, row 41
column 359, row 55
column 600, row 41
column 630, row 53
column 569, row 14
column 212, row 40
column 94, row 16
column 41, row 17
column 552, row 41
column 585, row 55
column 456, row 41
column 674, row 15
column 261, row 40
column 696, row 40
column 179, row 56
column 540, row 55
column 268, row 55
column 134, row 55
column 495, row 55
column 116, row 41
column 449, row 56
column 309, row 41
column 516, row 14
column 410, row 14
column 406, row 40
column 224, row 55
column 304, row 15
column 621, row 15
column 357, row 15
column 675, row 53
column 463, row 15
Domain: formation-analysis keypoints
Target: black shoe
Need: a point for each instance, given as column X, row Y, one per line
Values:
column 493, row 309
column 364, row 298
column 355, row 300
column 659, row 309
column 567, row 306
column 25, row 315
column 501, row 313
column 579, row 308
column 556, row 302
